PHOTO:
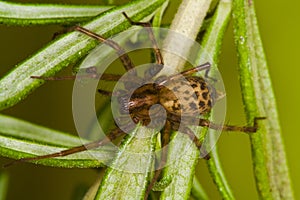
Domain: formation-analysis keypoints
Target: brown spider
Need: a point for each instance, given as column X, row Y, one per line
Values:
column 182, row 104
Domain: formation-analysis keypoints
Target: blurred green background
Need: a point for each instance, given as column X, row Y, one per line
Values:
column 50, row 105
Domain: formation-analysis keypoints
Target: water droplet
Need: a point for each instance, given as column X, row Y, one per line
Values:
column 242, row 40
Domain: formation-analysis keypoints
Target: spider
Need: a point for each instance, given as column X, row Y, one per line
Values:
column 183, row 96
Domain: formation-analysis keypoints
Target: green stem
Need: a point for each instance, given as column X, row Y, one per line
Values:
column 156, row 22
column 212, row 43
column 217, row 174
column 197, row 190
column 187, row 21
column 91, row 193
column 269, row 160
column 42, row 14
column 128, row 173
column 282, row 177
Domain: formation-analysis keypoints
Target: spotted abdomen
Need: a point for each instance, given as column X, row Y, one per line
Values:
column 189, row 96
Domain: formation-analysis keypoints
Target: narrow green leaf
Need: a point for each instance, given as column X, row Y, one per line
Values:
column 156, row 22
column 17, row 84
column 20, row 139
column 91, row 193
column 3, row 184
column 212, row 43
column 162, row 183
column 281, row 171
column 197, row 190
column 218, row 176
column 16, row 128
column 188, row 21
column 269, row 160
column 128, row 175
column 242, row 42
column 213, row 38
column 41, row 14
column 183, row 169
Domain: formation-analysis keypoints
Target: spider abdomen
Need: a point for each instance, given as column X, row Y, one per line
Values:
column 192, row 95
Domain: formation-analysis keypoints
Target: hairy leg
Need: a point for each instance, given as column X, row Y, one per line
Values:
column 205, row 66
column 90, row 72
column 111, row 136
column 157, row 53
column 128, row 64
column 196, row 141
column 245, row 129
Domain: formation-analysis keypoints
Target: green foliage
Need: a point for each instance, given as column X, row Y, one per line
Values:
column 20, row 139
column 269, row 161
column 68, row 49
column 136, row 154
column 43, row 14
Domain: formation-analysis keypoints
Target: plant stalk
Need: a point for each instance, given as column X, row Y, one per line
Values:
column 269, row 160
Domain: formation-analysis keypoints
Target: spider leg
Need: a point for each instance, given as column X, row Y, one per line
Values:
column 105, row 93
column 209, row 77
column 123, row 56
column 245, row 129
column 165, row 140
column 106, row 77
column 205, row 66
column 148, row 26
column 196, row 141
column 115, row 94
column 111, row 136
column 158, row 56
column 128, row 64
column 90, row 72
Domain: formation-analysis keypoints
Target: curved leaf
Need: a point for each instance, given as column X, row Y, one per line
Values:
column 182, row 170
column 42, row 14
column 21, row 139
column 269, row 159
column 128, row 177
column 198, row 191
column 212, row 42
